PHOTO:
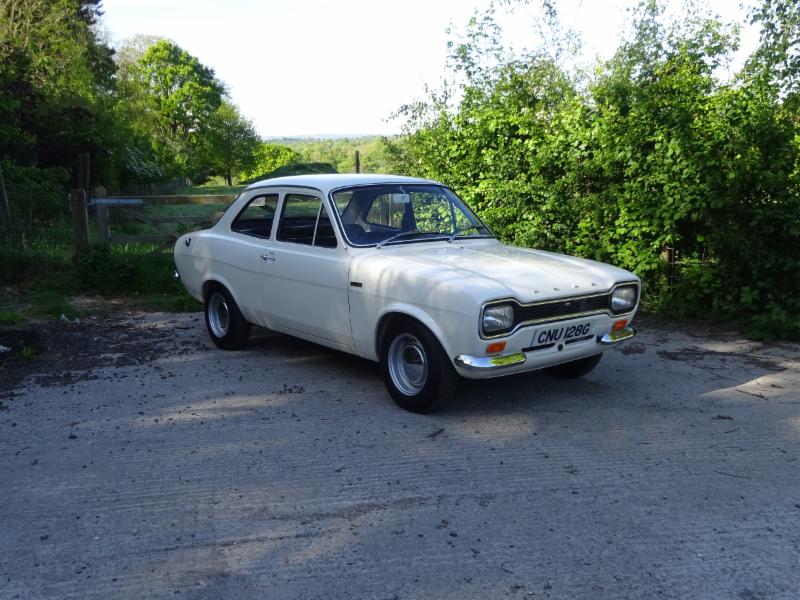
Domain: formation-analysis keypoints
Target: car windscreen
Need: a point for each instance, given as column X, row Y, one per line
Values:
column 389, row 214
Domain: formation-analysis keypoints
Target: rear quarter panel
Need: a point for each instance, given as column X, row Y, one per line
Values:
column 234, row 263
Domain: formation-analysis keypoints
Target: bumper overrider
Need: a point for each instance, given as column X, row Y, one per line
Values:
column 503, row 361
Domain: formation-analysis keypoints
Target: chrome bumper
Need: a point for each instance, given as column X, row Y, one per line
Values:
column 487, row 363
column 484, row 363
column 615, row 337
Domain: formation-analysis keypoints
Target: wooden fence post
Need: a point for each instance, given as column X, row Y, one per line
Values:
column 101, row 212
column 80, row 220
column 6, row 206
column 358, row 162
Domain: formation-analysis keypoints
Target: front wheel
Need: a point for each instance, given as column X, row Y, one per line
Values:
column 415, row 368
column 225, row 323
column 574, row 368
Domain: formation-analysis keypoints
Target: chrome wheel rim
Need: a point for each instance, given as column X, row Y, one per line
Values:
column 219, row 317
column 408, row 364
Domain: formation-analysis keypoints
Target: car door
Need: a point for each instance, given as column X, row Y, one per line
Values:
column 243, row 251
column 306, row 271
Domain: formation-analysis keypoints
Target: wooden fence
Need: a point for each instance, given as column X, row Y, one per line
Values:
column 109, row 211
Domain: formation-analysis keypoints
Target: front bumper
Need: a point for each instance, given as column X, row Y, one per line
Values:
column 483, row 365
column 486, row 363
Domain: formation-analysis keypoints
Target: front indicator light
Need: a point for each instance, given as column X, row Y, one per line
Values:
column 495, row 348
column 619, row 324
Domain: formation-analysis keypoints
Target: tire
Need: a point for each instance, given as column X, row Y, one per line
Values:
column 416, row 370
column 574, row 368
column 224, row 321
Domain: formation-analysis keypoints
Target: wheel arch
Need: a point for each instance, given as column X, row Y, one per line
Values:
column 394, row 314
column 211, row 284
column 214, row 282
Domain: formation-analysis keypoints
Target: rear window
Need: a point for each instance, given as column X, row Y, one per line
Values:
column 257, row 216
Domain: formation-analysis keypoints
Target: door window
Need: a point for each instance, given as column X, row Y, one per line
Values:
column 325, row 237
column 305, row 221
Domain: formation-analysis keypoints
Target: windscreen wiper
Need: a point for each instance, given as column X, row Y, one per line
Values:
column 396, row 236
column 453, row 235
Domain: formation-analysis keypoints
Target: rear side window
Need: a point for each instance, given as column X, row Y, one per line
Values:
column 305, row 221
column 256, row 218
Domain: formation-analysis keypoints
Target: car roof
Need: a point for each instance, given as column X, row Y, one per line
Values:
column 326, row 183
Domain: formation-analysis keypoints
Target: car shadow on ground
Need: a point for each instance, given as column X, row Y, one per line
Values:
column 472, row 393
column 627, row 373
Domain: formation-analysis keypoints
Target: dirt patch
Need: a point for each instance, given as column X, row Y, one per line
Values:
column 58, row 352
column 694, row 354
column 633, row 348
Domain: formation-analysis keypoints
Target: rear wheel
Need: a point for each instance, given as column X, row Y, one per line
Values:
column 227, row 327
column 574, row 368
column 415, row 368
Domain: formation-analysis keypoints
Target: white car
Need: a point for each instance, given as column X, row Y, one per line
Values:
column 400, row 271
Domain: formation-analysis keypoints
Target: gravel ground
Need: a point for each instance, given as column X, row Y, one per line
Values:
column 138, row 462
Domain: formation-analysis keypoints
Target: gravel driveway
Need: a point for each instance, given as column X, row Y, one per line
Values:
column 172, row 469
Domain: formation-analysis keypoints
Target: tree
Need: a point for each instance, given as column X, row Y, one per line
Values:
column 232, row 142
column 778, row 55
column 177, row 97
column 269, row 157
column 56, row 92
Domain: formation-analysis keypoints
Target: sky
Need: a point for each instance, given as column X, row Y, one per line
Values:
column 343, row 67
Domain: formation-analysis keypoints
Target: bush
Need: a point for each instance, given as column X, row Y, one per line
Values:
column 36, row 195
column 652, row 151
column 127, row 269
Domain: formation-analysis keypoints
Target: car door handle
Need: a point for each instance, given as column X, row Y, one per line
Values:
column 268, row 257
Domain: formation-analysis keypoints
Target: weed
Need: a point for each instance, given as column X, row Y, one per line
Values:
column 49, row 303
column 178, row 302
column 26, row 353
column 10, row 317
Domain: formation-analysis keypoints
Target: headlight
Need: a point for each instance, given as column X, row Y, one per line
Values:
column 498, row 319
column 623, row 299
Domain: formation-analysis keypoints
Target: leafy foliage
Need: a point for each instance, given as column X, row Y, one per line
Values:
column 340, row 152
column 651, row 151
column 176, row 100
column 267, row 158
column 43, row 189
column 298, row 168
column 232, row 142
column 152, row 113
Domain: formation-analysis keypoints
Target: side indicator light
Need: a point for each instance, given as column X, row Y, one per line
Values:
column 495, row 347
column 619, row 324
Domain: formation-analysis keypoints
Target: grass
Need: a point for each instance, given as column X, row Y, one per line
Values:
column 41, row 263
column 34, row 256
column 49, row 303
column 120, row 224
column 10, row 317
column 193, row 210
column 45, row 271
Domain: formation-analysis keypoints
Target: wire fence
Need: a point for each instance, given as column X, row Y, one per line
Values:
column 152, row 188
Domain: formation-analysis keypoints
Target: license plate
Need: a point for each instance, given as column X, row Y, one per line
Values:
column 560, row 334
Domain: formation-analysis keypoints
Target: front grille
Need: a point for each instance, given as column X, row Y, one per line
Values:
column 561, row 309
